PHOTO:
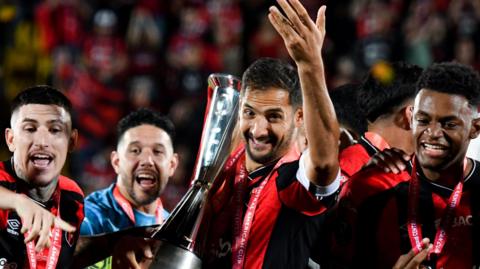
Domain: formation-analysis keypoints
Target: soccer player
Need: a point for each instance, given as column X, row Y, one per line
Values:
column 432, row 207
column 144, row 161
column 274, row 198
column 34, row 196
column 384, row 100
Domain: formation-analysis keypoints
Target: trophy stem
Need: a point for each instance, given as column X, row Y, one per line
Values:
column 181, row 245
column 171, row 256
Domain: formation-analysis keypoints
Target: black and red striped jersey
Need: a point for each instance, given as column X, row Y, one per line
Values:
column 12, row 246
column 369, row 229
column 286, row 225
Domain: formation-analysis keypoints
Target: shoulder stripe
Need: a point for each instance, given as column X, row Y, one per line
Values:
column 68, row 184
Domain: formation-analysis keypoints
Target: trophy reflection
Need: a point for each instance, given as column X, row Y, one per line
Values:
column 180, row 245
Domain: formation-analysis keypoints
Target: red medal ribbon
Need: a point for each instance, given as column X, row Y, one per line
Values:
column 414, row 228
column 241, row 229
column 127, row 207
column 53, row 252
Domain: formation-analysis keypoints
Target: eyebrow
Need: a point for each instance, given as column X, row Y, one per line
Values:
column 134, row 143
column 49, row 122
column 445, row 118
column 270, row 110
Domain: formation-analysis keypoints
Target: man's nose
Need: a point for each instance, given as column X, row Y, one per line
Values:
column 260, row 127
column 146, row 158
column 435, row 130
column 41, row 138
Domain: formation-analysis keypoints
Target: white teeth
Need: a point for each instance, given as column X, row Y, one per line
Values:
column 430, row 146
column 145, row 176
column 41, row 156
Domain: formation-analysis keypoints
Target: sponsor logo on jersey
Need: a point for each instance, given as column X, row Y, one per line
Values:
column 13, row 225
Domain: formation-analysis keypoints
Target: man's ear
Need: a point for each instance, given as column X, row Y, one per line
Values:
column 72, row 143
column 403, row 118
column 173, row 164
column 114, row 160
column 298, row 117
column 475, row 130
column 409, row 116
column 9, row 138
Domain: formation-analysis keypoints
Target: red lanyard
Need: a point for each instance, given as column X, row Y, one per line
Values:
column 127, row 207
column 414, row 228
column 241, row 229
column 53, row 252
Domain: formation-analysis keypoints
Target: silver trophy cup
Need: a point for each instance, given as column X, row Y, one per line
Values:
column 180, row 244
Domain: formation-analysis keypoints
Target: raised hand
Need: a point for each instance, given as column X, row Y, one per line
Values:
column 302, row 37
column 304, row 40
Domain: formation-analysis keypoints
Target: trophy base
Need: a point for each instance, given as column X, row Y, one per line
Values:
column 173, row 257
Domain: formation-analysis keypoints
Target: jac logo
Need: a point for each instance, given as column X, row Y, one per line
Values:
column 5, row 265
column 462, row 221
column 13, row 226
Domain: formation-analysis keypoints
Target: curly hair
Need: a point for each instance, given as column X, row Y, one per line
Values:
column 452, row 78
column 270, row 72
column 381, row 95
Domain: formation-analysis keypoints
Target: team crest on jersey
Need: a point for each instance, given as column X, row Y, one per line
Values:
column 70, row 238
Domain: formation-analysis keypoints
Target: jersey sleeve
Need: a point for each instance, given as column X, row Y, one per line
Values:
column 319, row 191
column 296, row 192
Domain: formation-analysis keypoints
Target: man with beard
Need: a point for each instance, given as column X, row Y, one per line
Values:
column 144, row 161
column 428, row 213
column 269, row 210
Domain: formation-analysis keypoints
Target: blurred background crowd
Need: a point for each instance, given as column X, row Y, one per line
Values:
column 111, row 57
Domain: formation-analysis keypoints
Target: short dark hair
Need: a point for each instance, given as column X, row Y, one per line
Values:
column 344, row 99
column 452, row 78
column 381, row 95
column 145, row 116
column 270, row 72
column 42, row 95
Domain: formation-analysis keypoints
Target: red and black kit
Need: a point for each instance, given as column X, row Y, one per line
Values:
column 286, row 224
column 67, row 201
column 373, row 224
column 354, row 157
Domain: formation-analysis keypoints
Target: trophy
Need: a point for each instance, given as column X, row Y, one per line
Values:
column 179, row 241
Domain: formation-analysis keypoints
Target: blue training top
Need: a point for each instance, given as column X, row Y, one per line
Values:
column 103, row 214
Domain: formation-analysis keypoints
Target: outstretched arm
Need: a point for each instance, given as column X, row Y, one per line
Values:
column 35, row 220
column 304, row 39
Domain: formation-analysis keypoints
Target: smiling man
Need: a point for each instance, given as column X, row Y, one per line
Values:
column 270, row 209
column 436, row 200
column 34, row 196
column 144, row 161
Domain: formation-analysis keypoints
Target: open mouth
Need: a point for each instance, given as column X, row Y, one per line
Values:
column 41, row 160
column 146, row 179
column 435, row 150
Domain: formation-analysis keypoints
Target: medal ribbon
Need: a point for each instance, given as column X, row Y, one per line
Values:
column 241, row 232
column 414, row 227
column 127, row 207
column 54, row 250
